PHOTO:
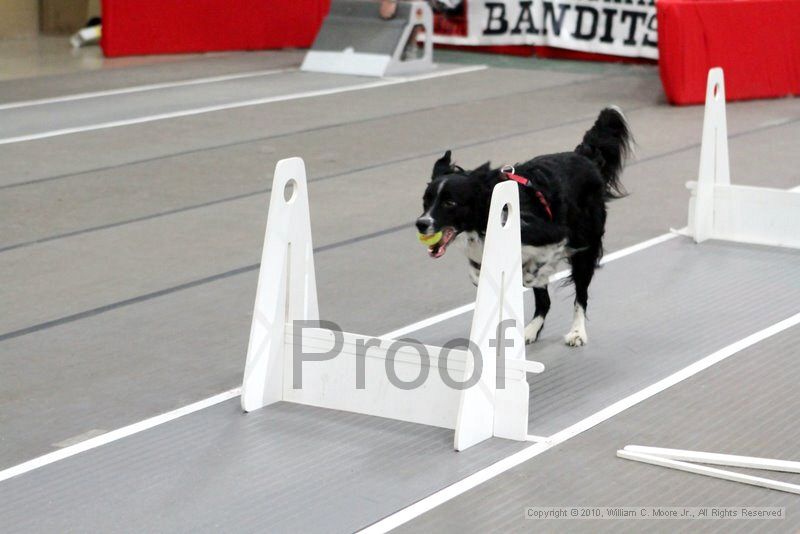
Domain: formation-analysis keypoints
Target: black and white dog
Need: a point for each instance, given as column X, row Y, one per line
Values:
column 562, row 210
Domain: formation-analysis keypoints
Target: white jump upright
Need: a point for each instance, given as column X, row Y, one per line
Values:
column 317, row 365
column 499, row 298
column 287, row 287
column 720, row 210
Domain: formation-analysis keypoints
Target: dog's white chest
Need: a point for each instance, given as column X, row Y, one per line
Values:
column 474, row 252
column 540, row 263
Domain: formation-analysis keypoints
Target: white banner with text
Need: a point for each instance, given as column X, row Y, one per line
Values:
column 598, row 26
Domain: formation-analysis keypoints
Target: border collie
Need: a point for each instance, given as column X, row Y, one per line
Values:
column 562, row 212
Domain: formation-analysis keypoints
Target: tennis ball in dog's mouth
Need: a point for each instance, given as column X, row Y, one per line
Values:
column 429, row 240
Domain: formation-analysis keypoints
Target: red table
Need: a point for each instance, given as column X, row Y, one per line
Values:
column 756, row 42
column 134, row 27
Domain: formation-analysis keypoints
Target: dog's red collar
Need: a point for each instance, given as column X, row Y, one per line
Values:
column 508, row 172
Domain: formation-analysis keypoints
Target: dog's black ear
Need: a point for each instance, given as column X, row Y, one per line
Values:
column 483, row 171
column 442, row 165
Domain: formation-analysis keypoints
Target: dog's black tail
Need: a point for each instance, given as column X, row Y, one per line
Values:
column 608, row 144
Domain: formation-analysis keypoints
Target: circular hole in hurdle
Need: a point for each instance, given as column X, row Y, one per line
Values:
column 716, row 90
column 289, row 190
column 504, row 215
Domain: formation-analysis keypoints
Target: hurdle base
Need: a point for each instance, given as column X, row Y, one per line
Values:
column 752, row 215
column 361, row 64
column 335, row 384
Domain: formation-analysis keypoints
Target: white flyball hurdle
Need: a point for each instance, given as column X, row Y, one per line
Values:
column 355, row 40
column 357, row 378
column 720, row 210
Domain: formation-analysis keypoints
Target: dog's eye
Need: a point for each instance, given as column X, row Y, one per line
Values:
column 449, row 204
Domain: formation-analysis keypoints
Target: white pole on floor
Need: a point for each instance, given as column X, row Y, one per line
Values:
column 730, row 460
column 709, row 471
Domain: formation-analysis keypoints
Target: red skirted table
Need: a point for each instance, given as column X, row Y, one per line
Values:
column 756, row 42
column 176, row 26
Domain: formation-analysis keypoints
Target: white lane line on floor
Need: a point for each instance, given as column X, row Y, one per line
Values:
column 455, row 312
column 141, row 88
column 535, row 439
column 134, row 428
column 440, row 497
column 385, row 82
column 115, row 435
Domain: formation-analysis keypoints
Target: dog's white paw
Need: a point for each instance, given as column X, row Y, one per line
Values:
column 577, row 335
column 532, row 329
column 576, row 338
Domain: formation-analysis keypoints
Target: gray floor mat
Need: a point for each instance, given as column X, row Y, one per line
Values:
column 285, row 468
column 747, row 404
column 304, row 469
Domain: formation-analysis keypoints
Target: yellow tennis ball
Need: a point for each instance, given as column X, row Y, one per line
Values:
column 430, row 239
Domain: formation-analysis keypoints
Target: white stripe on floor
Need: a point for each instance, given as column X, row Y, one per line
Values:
column 115, row 435
column 383, row 82
column 140, row 89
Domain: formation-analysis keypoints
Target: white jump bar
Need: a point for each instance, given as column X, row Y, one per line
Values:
column 729, row 460
column 713, row 472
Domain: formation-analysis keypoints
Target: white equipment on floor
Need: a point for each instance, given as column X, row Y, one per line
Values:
column 354, row 39
column 719, row 210
column 688, row 461
column 86, row 36
column 372, row 376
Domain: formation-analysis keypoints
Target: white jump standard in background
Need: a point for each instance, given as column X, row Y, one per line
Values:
column 719, row 210
column 355, row 40
column 287, row 293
